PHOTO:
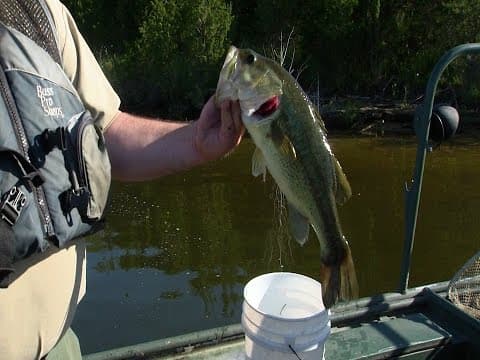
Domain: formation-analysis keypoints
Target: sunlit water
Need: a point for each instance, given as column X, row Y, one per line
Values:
column 176, row 253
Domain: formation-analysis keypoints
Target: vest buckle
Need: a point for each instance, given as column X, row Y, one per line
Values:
column 12, row 205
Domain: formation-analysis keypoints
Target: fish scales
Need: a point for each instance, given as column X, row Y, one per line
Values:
column 291, row 143
column 306, row 133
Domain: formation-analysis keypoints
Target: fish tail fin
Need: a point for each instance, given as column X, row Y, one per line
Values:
column 339, row 280
column 348, row 276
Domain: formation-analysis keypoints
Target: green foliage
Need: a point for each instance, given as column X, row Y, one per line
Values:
column 176, row 57
column 108, row 24
column 326, row 36
column 411, row 36
column 164, row 56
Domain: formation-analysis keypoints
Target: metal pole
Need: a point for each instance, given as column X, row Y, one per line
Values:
column 413, row 190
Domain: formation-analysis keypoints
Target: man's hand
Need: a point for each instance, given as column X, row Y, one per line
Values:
column 141, row 148
column 218, row 130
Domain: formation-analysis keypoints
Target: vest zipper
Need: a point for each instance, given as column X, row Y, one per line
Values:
column 81, row 162
column 38, row 192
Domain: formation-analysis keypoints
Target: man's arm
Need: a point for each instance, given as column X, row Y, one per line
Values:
column 142, row 149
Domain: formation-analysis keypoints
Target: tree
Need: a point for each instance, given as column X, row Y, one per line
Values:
column 179, row 52
column 108, row 25
column 414, row 35
column 165, row 55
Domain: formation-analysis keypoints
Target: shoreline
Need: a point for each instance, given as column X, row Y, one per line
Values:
column 371, row 117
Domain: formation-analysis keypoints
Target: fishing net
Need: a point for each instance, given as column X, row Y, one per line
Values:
column 464, row 288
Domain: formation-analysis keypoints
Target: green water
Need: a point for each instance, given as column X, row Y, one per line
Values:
column 177, row 252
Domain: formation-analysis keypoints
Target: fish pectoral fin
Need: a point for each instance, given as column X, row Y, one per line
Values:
column 298, row 225
column 288, row 148
column 343, row 191
column 281, row 140
column 259, row 166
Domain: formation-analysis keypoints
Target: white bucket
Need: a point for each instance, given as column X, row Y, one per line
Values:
column 284, row 318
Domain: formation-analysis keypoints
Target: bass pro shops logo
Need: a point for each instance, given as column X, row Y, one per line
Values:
column 45, row 94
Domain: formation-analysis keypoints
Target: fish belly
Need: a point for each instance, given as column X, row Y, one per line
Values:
column 288, row 176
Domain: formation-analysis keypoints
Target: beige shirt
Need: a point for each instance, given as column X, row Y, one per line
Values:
column 38, row 307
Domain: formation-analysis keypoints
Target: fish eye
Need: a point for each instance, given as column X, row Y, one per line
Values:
column 250, row 59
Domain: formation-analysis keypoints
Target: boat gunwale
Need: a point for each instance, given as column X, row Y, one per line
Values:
column 341, row 314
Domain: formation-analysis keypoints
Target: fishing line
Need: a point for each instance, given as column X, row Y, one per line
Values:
column 278, row 236
column 279, row 200
column 282, row 234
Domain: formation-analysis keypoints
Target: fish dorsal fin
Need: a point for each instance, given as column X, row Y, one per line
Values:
column 317, row 117
column 343, row 191
column 259, row 167
column 342, row 188
column 298, row 225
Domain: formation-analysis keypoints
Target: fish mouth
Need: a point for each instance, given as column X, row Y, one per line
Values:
column 268, row 107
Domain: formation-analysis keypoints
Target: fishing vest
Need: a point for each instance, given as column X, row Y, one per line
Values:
column 54, row 167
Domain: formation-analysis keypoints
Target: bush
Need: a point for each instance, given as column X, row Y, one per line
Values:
column 174, row 64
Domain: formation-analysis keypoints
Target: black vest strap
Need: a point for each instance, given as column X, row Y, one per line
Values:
column 54, row 138
column 7, row 252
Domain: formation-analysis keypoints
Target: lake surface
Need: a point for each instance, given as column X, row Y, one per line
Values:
column 176, row 253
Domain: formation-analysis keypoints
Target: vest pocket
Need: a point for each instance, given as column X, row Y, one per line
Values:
column 94, row 166
column 88, row 167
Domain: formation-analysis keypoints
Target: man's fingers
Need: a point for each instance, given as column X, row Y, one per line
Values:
column 237, row 119
column 228, row 124
column 237, row 115
column 232, row 128
column 209, row 115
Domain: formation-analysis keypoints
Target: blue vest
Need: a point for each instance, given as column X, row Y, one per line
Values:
column 54, row 167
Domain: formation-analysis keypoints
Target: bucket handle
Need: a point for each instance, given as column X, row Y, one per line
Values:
column 294, row 352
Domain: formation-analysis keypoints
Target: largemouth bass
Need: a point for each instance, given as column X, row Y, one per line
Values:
column 291, row 142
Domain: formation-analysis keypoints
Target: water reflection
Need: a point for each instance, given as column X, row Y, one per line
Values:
column 176, row 253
